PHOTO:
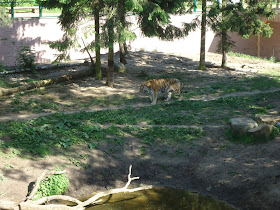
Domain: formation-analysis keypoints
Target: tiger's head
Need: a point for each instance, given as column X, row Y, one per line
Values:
column 145, row 87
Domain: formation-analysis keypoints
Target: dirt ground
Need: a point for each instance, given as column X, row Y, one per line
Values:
column 245, row 176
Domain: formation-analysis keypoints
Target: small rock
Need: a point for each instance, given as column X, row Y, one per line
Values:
column 240, row 126
column 263, row 132
column 120, row 67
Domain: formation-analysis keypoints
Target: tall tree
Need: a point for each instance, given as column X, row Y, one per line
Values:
column 121, row 11
column 76, row 15
column 77, row 22
column 109, row 36
column 97, row 41
column 203, row 37
column 236, row 17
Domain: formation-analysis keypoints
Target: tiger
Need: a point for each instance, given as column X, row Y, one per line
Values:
column 155, row 86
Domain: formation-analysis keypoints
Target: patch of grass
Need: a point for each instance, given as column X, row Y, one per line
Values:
column 34, row 105
column 8, row 166
column 164, row 134
column 250, row 139
column 77, row 163
column 241, row 55
column 226, row 86
column 246, row 84
column 38, row 136
column 111, row 100
column 54, row 10
column 8, row 84
column 143, row 151
column 3, row 178
column 262, row 83
column 53, row 185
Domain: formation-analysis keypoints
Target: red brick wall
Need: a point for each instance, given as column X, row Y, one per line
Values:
column 269, row 46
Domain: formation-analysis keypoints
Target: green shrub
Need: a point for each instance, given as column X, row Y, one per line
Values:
column 26, row 58
column 53, row 185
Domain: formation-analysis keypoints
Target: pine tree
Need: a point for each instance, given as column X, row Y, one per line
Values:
column 203, row 37
column 154, row 19
column 97, row 42
column 245, row 20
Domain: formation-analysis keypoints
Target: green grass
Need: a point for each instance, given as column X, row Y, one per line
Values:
column 52, row 11
column 8, row 84
column 33, row 105
column 116, row 100
column 241, row 55
column 40, row 136
column 52, row 185
column 227, row 86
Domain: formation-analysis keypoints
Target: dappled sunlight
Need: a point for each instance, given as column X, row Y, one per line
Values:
column 96, row 132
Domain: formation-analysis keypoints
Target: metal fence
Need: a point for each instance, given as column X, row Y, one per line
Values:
column 23, row 7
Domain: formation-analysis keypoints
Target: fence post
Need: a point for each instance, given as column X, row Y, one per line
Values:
column 12, row 10
column 40, row 9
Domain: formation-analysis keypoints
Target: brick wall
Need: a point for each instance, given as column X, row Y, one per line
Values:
column 269, row 46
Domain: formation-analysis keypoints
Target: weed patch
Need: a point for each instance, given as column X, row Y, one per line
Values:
column 53, row 185
column 33, row 105
column 39, row 136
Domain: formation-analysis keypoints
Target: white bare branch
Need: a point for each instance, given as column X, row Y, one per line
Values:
column 28, row 204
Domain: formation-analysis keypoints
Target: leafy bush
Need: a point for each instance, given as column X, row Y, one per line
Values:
column 53, row 185
column 26, row 58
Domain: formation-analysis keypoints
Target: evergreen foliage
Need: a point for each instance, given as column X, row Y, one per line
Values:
column 244, row 19
column 154, row 19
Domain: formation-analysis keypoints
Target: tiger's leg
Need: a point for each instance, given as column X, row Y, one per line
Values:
column 151, row 97
column 168, row 96
column 154, row 93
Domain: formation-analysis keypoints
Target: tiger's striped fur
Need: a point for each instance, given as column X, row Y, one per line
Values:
column 155, row 86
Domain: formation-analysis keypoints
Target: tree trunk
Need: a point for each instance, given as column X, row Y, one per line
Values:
column 121, row 16
column 122, row 53
column 259, row 45
column 97, row 45
column 224, row 50
column 224, row 39
column 203, row 35
column 110, row 75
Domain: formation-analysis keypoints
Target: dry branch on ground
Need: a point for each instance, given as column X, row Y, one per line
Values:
column 29, row 204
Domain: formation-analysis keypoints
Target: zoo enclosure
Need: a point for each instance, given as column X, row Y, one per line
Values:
column 25, row 6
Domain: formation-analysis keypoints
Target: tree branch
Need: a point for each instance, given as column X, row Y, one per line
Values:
column 28, row 204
